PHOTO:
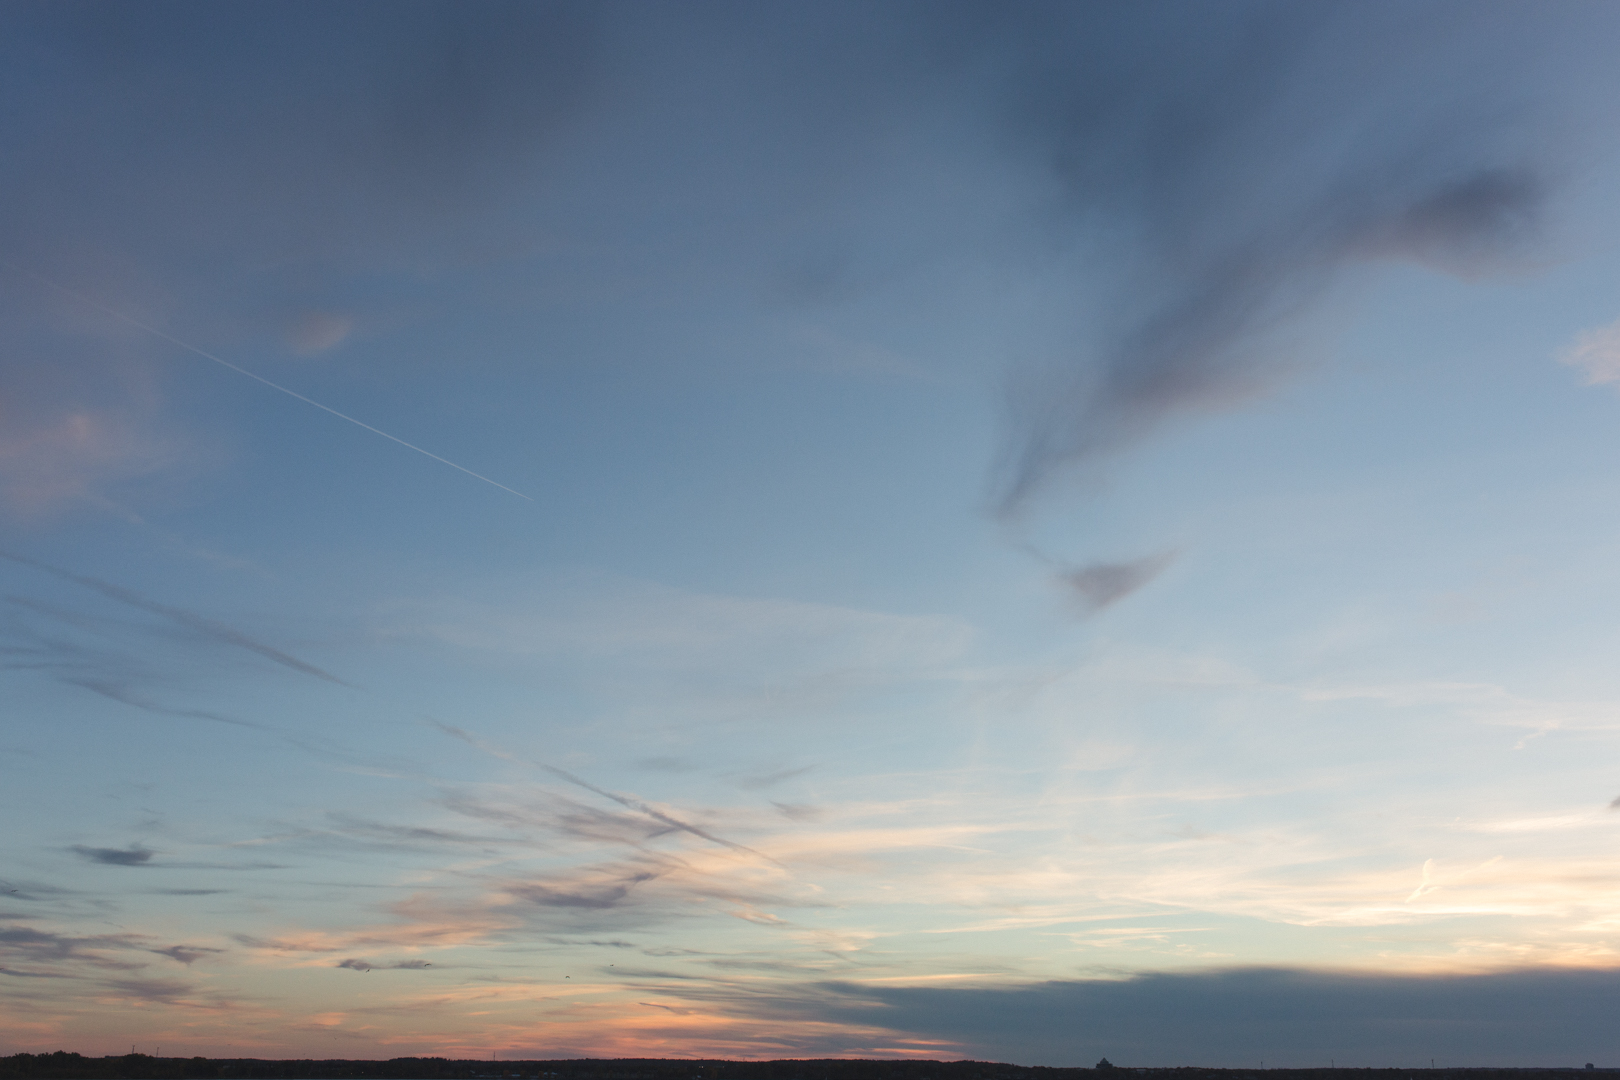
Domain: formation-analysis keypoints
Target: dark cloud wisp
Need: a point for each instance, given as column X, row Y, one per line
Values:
column 1101, row 584
column 1228, row 163
column 208, row 628
column 131, row 856
column 357, row 964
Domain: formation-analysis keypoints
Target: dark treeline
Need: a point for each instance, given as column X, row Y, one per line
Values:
column 65, row 1066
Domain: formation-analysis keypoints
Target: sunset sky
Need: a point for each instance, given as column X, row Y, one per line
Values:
column 1010, row 530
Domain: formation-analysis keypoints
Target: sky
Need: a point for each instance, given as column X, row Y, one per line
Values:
column 1021, row 531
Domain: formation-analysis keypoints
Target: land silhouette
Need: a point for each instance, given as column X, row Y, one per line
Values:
column 62, row 1065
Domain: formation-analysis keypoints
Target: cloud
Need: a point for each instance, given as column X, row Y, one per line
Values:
column 317, row 331
column 610, row 892
column 1227, row 165
column 142, row 857
column 771, row 779
column 160, row 991
column 60, row 955
column 1597, row 354
column 561, row 816
column 629, row 802
column 51, row 461
column 207, row 628
column 1102, row 584
column 1216, row 167
column 377, row 834
column 187, row 954
column 405, row 130
column 356, row 964
column 132, row 856
column 116, row 658
column 1299, row 1017
column 121, row 692
column 667, row 658
column 593, row 616
column 106, row 672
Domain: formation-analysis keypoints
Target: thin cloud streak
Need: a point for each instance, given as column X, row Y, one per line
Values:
column 623, row 800
column 115, row 691
column 218, row 631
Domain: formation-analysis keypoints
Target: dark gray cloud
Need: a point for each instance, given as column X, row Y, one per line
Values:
column 1288, row 1017
column 356, row 964
column 1100, row 584
column 30, row 890
column 57, row 955
column 187, row 954
column 133, row 855
column 612, row 892
column 1227, row 163
column 137, row 856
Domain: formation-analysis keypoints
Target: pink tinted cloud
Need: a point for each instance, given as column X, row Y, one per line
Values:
column 47, row 463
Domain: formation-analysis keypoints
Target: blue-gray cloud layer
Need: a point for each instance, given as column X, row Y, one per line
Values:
column 1238, row 1018
column 1216, row 167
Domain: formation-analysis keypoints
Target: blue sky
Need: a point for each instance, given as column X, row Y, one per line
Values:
column 1022, row 532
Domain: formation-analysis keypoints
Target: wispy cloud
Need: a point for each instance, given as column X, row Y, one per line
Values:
column 208, row 628
column 314, row 332
column 761, row 781
column 131, row 856
column 49, row 464
column 1183, row 135
column 85, row 661
column 52, row 953
column 120, row 691
column 188, row 954
column 623, row 800
column 1597, row 354
column 1101, row 584
column 595, row 616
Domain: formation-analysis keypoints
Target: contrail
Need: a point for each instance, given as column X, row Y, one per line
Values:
column 260, row 378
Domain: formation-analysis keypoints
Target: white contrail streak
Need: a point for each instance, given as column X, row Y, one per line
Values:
column 260, row 378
